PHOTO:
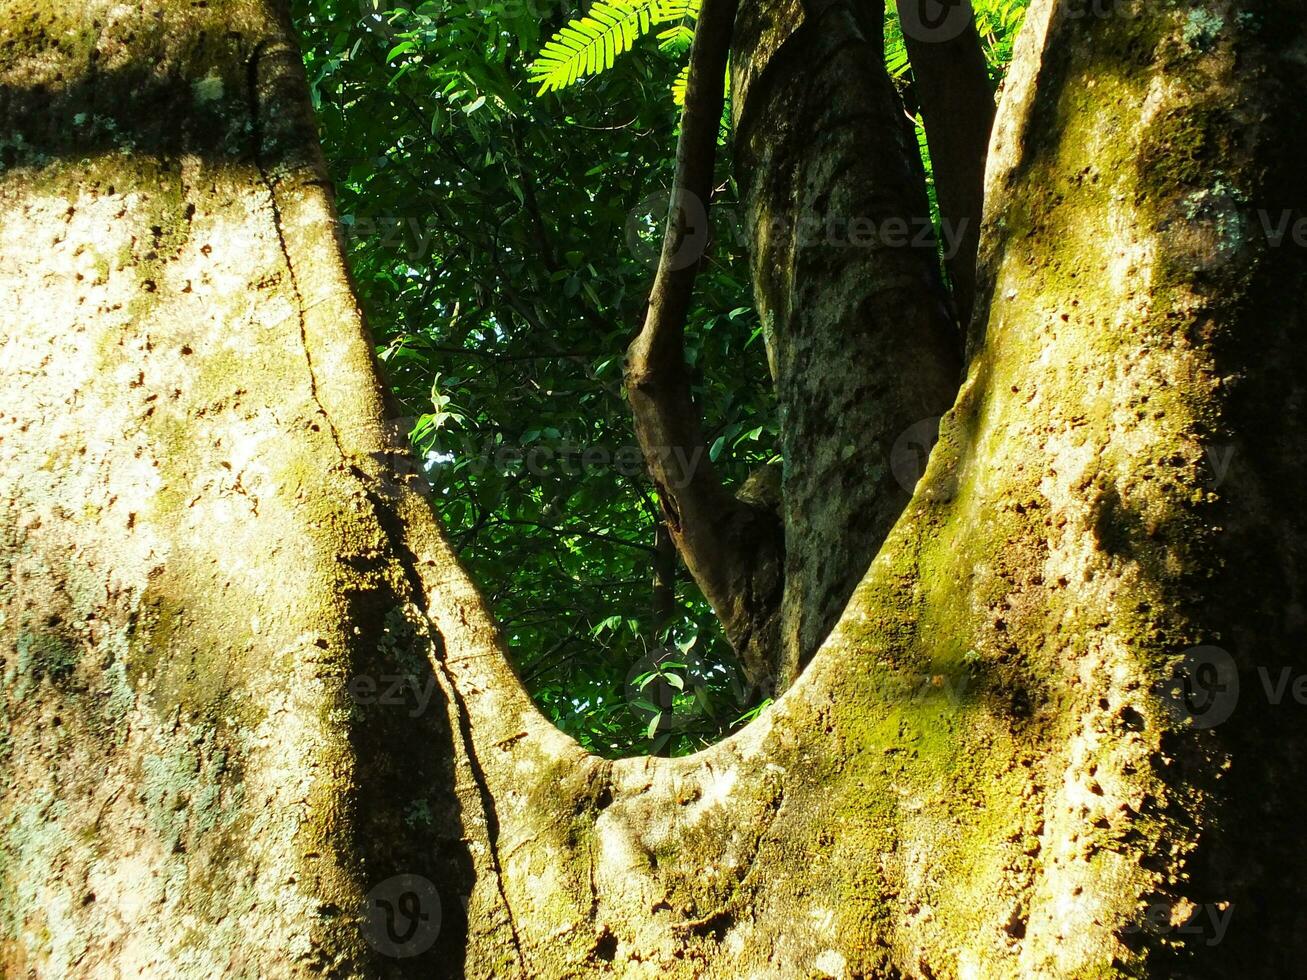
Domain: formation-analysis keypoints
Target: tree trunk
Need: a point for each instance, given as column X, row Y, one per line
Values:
column 247, row 685
column 846, row 280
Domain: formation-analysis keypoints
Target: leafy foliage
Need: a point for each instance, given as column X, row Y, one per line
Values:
column 590, row 44
column 997, row 23
column 503, row 245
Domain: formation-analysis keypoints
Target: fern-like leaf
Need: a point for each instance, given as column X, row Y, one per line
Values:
column 589, row 44
column 999, row 18
column 679, row 86
column 676, row 40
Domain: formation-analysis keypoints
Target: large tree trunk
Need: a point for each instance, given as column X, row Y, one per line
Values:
column 216, row 567
column 847, row 283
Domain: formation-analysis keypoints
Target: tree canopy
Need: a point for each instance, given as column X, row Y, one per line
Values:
column 503, row 201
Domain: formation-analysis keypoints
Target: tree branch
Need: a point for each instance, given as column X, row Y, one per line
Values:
column 957, row 105
column 724, row 541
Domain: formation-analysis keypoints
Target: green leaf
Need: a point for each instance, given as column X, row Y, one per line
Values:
column 398, row 49
column 589, row 44
column 680, row 85
column 676, row 40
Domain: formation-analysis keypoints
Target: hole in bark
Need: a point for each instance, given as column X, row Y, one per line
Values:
column 714, row 926
column 606, row 946
column 1132, row 719
column 1016, row 926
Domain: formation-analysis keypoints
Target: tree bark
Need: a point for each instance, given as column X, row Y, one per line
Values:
column 731, row 546
column 846, row 280
column 207, row 757
column 212, row 549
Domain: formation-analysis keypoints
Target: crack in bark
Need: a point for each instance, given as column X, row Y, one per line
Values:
column 266, row 178
column 773, row 809
column 385, row 513
column 600, row 801
column 393, row 527
column 491, row 814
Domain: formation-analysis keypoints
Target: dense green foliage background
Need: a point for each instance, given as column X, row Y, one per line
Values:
column 503, row 243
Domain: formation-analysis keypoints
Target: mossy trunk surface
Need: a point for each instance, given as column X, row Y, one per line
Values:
column 246, row 685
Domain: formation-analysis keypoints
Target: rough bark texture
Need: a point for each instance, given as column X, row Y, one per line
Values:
column 198, row 542
column 974, row 777
column 847, row 282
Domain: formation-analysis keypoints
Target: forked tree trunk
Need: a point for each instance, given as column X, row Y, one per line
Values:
column 216, row 569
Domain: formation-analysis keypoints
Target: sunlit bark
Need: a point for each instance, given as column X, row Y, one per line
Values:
column 212, row 552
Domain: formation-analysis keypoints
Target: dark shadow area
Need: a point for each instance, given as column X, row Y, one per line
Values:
column 408, row 817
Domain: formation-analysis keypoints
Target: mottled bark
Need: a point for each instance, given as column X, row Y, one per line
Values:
column 846, row 279
column 205, row 600
column 980, row 773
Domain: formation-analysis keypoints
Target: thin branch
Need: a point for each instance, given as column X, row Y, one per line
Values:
column 722, row 540
column 957, row 105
